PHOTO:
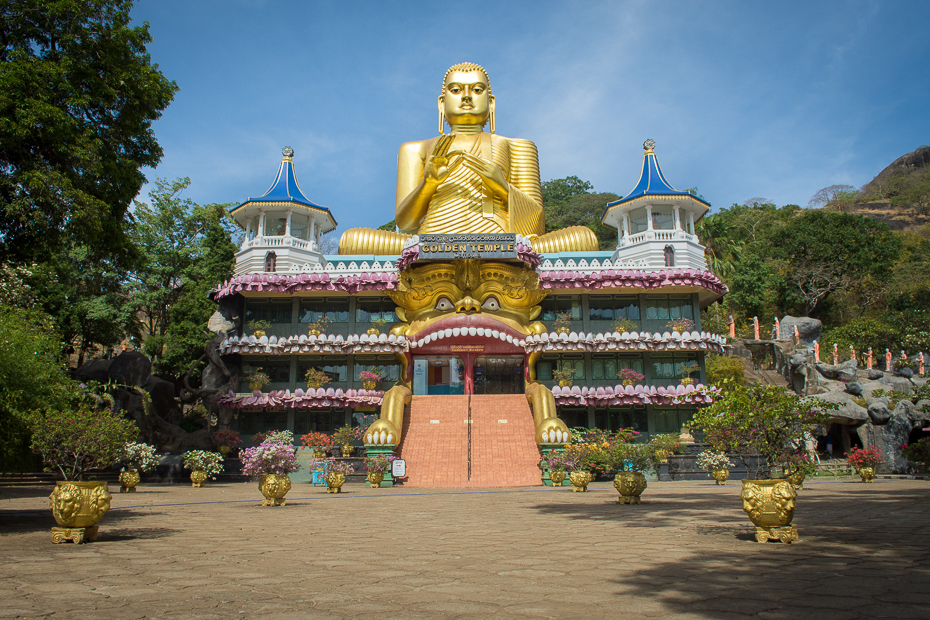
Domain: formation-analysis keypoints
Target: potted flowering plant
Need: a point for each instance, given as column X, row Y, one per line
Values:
column 377, row 325
column 686, row 370
column 563, row 375
column 335, row 472
column 625, row 325
column 581, row 459
column 136, row 458
column 227, row 441
column 563, row 322
column 630, row 376
column 346, row 435
column 629, row 460
column 717, row 464
column 316, row 378
column 865, row 461
column 74, row 440
column 318, row 326
column 316, row 441
column 377, row 466
column 203, row 465
column 271, row 462
column 556, row 463
column 370, row 378
column 258, row 379
column 918, row 453
column 680, row 325
column 665, row 444
column 258, row 327
column 763, row 425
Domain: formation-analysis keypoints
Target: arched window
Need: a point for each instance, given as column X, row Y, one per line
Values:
column 669, row 256
column 270, row 261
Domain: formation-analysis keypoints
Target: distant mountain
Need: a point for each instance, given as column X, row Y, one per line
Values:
column 900, row 194
column 912, row 164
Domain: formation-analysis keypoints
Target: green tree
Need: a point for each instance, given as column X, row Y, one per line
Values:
column 186, row 250
column 557, row 191
column 839, row 197
column 32, row 377
column 912, row 191
column 824, row 252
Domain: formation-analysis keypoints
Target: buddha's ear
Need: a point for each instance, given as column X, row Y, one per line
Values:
column 442, row 115
column 491, row 111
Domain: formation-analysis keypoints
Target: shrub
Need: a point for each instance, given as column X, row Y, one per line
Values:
column 316, row 439
column 76, row 439
column 269, row 458
column 332, row 466
column 709, row 460
column 861, row 334
column 200, row 460
column 868, row 457
column 379, row 463
column 724, row 367
column 918, row 453
column 139, row 457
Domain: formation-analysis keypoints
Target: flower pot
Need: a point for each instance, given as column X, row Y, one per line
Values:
column 662, row 456
column 319, row 452
column 867, row 474
column 225, row 450
column 565, row 383
column 562, row 330
column 374, row 331
column 720, row 475
column 258, row 333
column 580, row 481
column 375, row 478
column 687, row 381
column 128, row 480
column 369, row 385
column 198, row 477
column 77, row 508
column 347, row 449
column 627, row 382
column 770, row 505
column 797, row 479
column 274, row 487
column 315, row 332
column 334, row 482
column 557, row 477
column 630, row 485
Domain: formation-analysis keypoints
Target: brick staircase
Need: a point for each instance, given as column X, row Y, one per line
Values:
column 503, row 450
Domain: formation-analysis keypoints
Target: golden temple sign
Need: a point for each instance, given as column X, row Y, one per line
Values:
column 449, row 247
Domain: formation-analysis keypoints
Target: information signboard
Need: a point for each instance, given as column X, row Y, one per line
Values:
column 399, row 468
column 448, row 247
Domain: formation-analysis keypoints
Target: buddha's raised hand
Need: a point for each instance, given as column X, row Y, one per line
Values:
column 438, row 164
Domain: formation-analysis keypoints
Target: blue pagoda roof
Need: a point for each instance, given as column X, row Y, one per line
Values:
column 651, row 181
column 285, row 187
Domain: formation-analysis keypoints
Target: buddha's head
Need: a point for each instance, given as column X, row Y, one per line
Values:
column 441, row 298
column 466, row 97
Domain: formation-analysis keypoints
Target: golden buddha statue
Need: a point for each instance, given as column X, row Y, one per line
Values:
column 468, row 181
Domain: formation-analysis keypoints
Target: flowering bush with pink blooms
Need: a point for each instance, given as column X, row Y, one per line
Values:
column 628, row 374
column 269, row 458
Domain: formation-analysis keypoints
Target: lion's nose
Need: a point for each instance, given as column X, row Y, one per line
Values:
column 467, row 305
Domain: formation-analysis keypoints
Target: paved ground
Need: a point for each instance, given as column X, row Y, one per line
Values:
column 686, row 552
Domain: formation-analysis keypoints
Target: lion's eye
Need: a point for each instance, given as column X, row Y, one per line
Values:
column 491, row 303
column 444, row 304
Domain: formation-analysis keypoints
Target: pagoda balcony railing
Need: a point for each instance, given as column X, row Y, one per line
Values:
column 647, row 236
column 278, row 241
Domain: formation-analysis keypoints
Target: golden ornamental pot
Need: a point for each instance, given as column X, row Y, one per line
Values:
column 562, row 330
column 374, row 331
column 369, row 385
column 318, row 452
column 630, row 485
column 198, row 477
column 662, row 455
column 77, row 508
column 256, row 385
column 687, row 381
column 274, row 487
column 627, row 382
column 258, row 333
column 867, row 474
column 374, row 479
column 580, row 480
column 347, row 449
column 315, row 332
column 770, row 505
column 797, row 478
column 334, row 482
column 225, row 450
column 565, row 383
column 720, row 475
column 557, row 477
column 128, row 480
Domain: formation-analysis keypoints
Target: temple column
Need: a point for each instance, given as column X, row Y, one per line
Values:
column 677, row 218
column 312, row 235
column 261, row 223
column 691, row 221
column 626, row 224
column 287, row 223
column 649, row 227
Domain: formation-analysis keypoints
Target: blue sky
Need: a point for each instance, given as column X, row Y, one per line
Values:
column 744, row 99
